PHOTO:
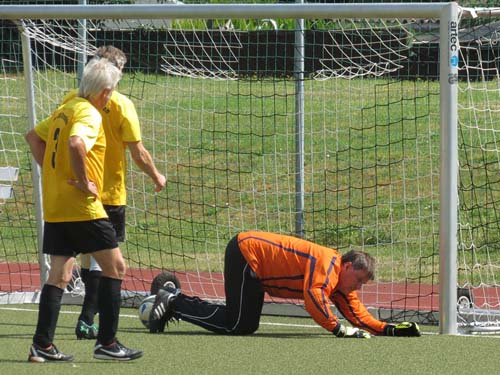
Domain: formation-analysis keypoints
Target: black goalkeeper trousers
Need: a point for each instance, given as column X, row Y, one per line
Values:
column 244, row 299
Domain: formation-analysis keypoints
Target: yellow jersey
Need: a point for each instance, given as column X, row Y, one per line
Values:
column 121, row 124
column 63, row 202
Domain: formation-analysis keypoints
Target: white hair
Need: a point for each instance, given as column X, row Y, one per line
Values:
column 98, row 75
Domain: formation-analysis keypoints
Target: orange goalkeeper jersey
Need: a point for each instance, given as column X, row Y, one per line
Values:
column 290, row 267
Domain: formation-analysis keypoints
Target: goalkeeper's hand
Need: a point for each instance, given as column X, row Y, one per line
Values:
column 350, row 332
column 408, row 329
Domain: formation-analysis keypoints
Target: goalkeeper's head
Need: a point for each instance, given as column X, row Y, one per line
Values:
column 357, row 268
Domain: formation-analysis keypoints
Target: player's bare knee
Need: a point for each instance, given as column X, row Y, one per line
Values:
column 59, row 282
column 59, row 279
column 121, row 269
column 117, row 269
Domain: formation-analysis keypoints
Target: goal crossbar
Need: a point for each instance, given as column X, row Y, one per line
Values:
column 218, row 11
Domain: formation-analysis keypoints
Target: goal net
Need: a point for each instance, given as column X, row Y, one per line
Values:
column 328, row 127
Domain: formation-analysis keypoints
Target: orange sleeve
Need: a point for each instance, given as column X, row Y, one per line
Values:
column 356, row 313
column 318, row 281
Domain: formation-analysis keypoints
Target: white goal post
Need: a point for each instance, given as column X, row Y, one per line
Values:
column 278, row 190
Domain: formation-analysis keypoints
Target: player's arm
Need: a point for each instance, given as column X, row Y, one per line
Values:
column 37, row 145
column 318, row 305
column 77, row 155
column 317, row 298
column 142, row 158
column 356, row 313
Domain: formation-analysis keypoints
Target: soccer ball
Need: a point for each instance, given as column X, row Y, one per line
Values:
column 145, row 309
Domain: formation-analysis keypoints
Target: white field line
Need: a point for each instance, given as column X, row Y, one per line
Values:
column 135, row 317
column 263, row 323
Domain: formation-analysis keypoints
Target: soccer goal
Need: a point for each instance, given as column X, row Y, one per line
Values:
column 368, row 126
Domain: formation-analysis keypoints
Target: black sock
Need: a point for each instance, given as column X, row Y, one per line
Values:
column 109, row 309
column 84, row 272
column 48, row 312
column 90, row 305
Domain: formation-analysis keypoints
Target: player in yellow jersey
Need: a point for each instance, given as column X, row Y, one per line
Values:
column 282, row 266
column 72, row 156
column 122, row 129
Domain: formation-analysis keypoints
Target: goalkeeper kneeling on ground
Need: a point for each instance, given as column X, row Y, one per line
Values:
column 287, row 267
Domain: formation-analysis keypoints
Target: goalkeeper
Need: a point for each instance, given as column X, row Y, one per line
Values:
column 286, row 267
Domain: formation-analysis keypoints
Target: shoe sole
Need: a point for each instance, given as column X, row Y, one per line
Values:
column 86, row 337
column 158, row 326
column 35, row 359
column 110, row 358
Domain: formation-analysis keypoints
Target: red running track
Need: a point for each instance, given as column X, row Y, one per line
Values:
column 25, row 277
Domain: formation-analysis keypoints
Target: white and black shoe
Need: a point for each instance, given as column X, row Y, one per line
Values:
column 51, row 353
column 162, row 311
column 116, row 351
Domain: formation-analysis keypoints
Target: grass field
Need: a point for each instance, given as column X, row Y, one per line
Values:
column 280, row 346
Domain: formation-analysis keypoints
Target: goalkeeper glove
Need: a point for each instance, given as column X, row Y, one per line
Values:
column 350, row 332
column 408, row 329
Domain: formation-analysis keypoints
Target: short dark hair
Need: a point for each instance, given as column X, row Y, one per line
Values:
column 360, row 260
column 113, row 54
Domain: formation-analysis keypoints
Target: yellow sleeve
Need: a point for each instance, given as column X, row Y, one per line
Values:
column 124, row 114
column 131, row 128
column 87, row 124
column 42, row 128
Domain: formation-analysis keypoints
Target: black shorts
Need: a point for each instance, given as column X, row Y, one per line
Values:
column 75, row 237
column 117, row 217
